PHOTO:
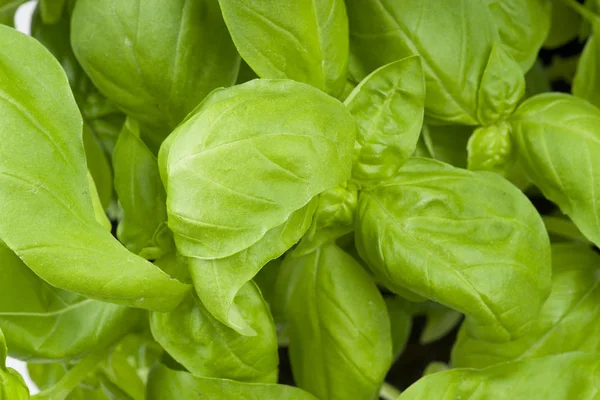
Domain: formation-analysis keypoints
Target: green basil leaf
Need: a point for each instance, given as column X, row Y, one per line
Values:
column 207, row 348
column 502, row 87
column 569, row 320
column 121, row 374
column 565, row 376
column 543, row 127
column 302, row 141
column 564, row 26
column 388, row 108
column 165, row 383
column 305, row 40
column 38, row 319
column 47, row 374
column 185, row 53
column 490, row 148
column 141, row 195
column 460, row 238
column 334, row 217
column 101, row 117
column 400, row 322
column 12, row 385
column 523, row 25
column 340, row 344
column 41, row 122
column 586, row 83
column 453, row 38
column 217, row 282
column 98, row 166
column 97, row 206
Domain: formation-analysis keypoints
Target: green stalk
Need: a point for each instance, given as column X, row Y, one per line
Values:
column 69, row 382
column 388, row 392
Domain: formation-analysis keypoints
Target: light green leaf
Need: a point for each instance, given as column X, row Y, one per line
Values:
column 218, row 281
column 454, row 39
column 565, row 376
column 565, row 25
column 120, row 373
column 569, row 320
column 523, row 25
column 185, row 53
column 207, row 348
column 334, row 217
column 41, row 122
column 460, row 238
column 388, row 108
column 101, row 118
column 399, row 311
column 141, row 195
column 72, row 378
column 165, row 383
column 340, row 344
column 294, row 140
column 502, row 87
column 38, row 319
column 47, row 374
column 586, row 83
column 12, row 385
column 303, row 40
column 56, row 38
column 99, row 212
column 544, row 128
column 276, row 131
column 98, row 166
column 490, row 148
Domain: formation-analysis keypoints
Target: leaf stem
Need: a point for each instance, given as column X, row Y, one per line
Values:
column 69, row 382
column 581, row 10
column 388, row 392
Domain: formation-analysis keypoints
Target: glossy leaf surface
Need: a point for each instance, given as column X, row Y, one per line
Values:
column 464, row 239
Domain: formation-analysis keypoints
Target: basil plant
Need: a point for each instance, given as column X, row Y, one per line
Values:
column 255, row 200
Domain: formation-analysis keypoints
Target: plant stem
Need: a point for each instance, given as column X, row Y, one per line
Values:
column 584, row 12
column 69, row 382
column 388, row 392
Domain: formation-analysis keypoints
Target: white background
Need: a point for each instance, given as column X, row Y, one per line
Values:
column 22, row 23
